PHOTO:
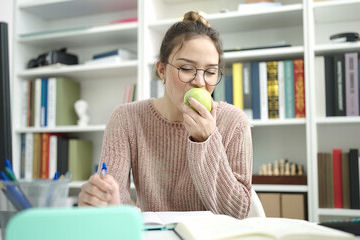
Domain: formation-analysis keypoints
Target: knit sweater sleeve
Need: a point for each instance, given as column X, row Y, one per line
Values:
column 222, row 176
column 116, row 152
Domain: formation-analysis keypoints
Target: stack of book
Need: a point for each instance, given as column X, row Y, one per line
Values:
column 43, row 154
column 112, row 56
column 49, row 102
column 338, row 179
column 342, row 79
column 265, row 90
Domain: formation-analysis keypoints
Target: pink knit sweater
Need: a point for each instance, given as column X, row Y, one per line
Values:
column 173, row 173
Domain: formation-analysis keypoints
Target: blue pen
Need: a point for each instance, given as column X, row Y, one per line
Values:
column 56, row 176
column 8, row 164
column 103, row 169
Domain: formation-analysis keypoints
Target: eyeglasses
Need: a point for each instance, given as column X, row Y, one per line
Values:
column 187, row 73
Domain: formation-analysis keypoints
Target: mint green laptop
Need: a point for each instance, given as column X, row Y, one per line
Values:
column 88, row 223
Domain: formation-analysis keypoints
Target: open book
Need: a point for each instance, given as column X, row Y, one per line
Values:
column 168, row 220
column 218, row 227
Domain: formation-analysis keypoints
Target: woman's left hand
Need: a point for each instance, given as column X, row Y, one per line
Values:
column 200, row 125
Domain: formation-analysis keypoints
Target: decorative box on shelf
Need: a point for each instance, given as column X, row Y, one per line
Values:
column 292, row 180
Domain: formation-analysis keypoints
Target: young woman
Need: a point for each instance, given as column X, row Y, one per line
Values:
column 181, row 159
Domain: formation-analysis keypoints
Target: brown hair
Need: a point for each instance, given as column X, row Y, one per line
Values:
column 192, row 25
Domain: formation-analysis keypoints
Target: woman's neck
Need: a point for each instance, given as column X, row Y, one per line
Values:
column 167, row 109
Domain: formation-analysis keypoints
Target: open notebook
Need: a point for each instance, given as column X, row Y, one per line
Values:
column 221, row 227
column 169, row 220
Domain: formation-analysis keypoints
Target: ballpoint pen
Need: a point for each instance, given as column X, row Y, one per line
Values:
column 103, row 169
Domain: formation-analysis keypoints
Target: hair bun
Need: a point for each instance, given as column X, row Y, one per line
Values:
column 195, row 17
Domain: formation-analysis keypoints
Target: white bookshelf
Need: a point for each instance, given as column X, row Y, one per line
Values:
column 265, row 54
column 278, row 122
column 339, row 212
column 71, row 129
column 56, row 9
column 280, row 188
column 325, row 19
column 84, row 36
column 83, row 71
column 83, row 27
column 304, row 24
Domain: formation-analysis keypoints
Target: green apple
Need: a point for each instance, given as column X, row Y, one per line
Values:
column 201, row 95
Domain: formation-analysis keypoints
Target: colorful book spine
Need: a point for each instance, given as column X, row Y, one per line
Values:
column 25, row 107
column 229, row 89
column 289, row 89
column 44, row 97
column 22, row 155
column 281, row 82
column 45, row 143
column 37, row 156
column 29, row 153
column 354, row 178
column 238, row 97
column 263, row 91
column 219, row 93
column 273, row 89
column 351, row 84
column 339, row 63
column 330, row 86
column 345, row 179
column 337, row 178
column 255, row 89
column 247, row 89
column 299, row 84
column 51, row 113
column 37, row 103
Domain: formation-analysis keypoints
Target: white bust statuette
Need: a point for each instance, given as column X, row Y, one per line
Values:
column 81, row 107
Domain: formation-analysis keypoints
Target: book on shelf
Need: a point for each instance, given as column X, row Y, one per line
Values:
column 123, row 54
column 226, row 227
column 351, row 84
column 339, row 68
column 338, row 179
column 124, row 20
column 238, row 97
column 354, row 178
column 342, row 84
column 263, row 88
column 299, row 87
column 264, row 111
column 255, row 90
column 80, row 159
column 289, row 89
column 50, row 102
column 253, row 7
column 247, row 89
column 273, row 89
column 47, row 153
column 229, row 89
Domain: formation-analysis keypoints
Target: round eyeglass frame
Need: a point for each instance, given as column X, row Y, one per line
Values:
column 196, row 72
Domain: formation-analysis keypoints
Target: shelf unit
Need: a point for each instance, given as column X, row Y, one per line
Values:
column 83, row 27
column 304, row 24
column 327, row 18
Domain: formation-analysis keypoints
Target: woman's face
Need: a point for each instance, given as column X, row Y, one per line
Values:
column 199, row 52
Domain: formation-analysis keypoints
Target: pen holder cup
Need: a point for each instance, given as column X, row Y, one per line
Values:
column 44, row 192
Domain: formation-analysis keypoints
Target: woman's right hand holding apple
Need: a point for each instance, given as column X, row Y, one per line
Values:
column 99, row 191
